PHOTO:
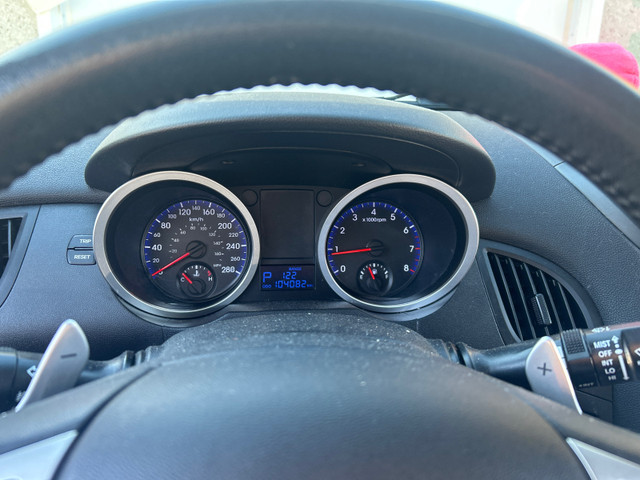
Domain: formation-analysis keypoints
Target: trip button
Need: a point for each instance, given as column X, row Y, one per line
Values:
column 81, row 241
column 80, row 257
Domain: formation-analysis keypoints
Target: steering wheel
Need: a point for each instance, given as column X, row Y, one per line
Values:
column 317, row 395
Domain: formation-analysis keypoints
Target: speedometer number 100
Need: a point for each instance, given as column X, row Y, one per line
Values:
column 190, row 237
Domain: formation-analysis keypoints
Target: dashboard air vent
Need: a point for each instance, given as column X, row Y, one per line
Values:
column 535, row 301
column 9, row 228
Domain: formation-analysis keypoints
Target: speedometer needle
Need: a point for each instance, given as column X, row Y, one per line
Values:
column 172, row 263
column 352, row 251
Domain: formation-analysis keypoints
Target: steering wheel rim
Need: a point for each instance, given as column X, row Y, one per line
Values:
column 127, row 63
column 123, row 64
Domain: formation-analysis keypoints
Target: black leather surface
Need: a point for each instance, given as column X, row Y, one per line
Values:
column 55, row 92
column 294, row 396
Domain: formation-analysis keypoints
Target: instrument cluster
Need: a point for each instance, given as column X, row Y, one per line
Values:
column 178, row 246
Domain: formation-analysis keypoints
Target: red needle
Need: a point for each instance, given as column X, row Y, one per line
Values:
column 172, row 263
column 187, row 278
column 352, row 251
column 371, row 272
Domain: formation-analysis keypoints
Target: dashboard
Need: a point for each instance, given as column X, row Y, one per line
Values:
column 253, row 199
column 278, row 176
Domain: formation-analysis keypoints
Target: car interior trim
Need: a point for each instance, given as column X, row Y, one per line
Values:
column 28, row 216
column 38, row 461
column 583, row 301
column 602, row 465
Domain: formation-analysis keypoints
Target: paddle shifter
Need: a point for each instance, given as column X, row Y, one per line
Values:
column 577, row 358
column 551, row 367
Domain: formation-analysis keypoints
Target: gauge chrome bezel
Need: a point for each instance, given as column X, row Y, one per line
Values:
column 471, row 245
column 104, row 218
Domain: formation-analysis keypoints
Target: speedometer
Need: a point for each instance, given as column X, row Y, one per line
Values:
column 176, row 245
column 195, row 250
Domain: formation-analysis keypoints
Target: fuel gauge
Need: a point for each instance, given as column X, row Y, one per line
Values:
column 374, row 278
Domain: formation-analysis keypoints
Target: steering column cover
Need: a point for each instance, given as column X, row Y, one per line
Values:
column 97, row 73
column 316, row 396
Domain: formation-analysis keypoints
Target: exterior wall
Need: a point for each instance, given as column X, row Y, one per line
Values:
column 621, row 24
column 563, row 21
column 18, row 24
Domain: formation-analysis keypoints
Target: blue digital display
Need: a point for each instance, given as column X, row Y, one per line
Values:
column 287, row 277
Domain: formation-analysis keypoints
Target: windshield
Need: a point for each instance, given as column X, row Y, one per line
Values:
column 568, row 22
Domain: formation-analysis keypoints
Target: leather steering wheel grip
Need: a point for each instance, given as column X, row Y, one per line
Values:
column 57, row 90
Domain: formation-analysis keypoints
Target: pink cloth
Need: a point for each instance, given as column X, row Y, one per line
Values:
column 615, row 58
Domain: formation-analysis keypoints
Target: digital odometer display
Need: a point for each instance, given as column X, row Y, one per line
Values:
column 287, row 277
column 195, row 250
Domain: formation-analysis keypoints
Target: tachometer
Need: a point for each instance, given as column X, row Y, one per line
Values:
column 398, row 244
column 195, row 250
column 374, row 249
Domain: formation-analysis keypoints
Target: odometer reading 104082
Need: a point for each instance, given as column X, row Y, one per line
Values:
column 374, row 249
column 195, row 250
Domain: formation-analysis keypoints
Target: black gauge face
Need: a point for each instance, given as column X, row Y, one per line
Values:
column 195, row 250
column 374, row 249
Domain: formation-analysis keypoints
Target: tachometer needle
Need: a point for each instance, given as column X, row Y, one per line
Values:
column 352, row 251
column 371, row 272
column 188, row 279
column 172, row 263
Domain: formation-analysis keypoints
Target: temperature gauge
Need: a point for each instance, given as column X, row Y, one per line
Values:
column 196, row 280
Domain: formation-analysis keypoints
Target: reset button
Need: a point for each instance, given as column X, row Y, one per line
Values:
column 79, row 257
